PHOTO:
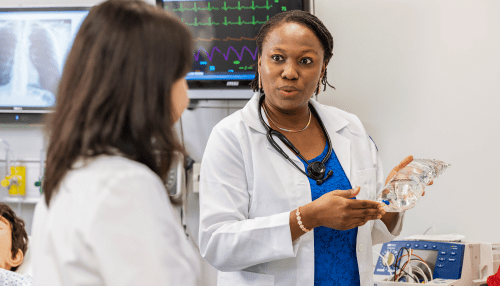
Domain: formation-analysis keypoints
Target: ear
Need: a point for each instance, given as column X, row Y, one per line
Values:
column 17, row 260
column 323, row 69
column 258, row 63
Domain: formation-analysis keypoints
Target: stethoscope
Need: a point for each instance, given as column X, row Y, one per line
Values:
column 315, row 170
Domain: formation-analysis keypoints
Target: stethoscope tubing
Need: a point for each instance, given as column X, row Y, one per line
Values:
column 271, row 132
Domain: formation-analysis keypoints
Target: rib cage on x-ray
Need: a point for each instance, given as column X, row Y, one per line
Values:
column 32, row 55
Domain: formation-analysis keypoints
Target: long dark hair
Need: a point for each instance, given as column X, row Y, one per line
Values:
column 300, row 17
column 115, row 91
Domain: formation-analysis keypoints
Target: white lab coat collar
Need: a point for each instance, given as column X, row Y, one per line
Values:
column 334, row 124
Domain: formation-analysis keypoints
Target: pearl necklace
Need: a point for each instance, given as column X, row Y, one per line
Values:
column 287, row 130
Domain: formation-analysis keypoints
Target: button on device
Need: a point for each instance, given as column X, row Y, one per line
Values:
column 440, row 265
column 452, row 259
column 442, row 252
column 434, row 246
column 442, row 259
column 360, row 247
column 408, row 245
column 416, row 245
column 425, row 245
column 453, row 253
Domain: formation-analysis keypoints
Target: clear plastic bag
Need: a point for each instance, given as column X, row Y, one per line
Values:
column 404, row 190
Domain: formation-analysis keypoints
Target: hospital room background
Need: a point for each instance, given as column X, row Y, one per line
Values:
column 422, row 75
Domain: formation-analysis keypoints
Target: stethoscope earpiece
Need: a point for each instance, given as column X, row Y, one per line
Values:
column 315, row 170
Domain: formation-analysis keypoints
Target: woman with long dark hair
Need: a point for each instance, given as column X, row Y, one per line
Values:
column 106, row 218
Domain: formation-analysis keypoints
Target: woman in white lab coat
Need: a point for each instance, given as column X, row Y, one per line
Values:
column 264, row 221
column 106, row 218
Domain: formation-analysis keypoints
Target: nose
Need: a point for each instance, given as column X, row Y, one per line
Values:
column 290, row 71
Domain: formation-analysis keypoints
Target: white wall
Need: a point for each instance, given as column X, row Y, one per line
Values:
column 423, row 77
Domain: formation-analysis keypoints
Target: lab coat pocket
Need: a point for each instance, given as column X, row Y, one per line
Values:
column 367, row 180
column 244, row 278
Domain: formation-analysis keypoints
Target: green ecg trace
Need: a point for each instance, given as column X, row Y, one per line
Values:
column 209, row 23
column 225, row 7
column 246, row 68
column 253, row 7
column 226, row 22
column 182, row 9
column 254, row 22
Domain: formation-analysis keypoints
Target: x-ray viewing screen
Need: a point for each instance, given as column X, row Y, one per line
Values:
column 224, row 34
column 34, row 44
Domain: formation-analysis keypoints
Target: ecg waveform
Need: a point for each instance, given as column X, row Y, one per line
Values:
column 226, row 55
column 224, row 31
column 225, row 40
column 225, row 22
column 224, row 7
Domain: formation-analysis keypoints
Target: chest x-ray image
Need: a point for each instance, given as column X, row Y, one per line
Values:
column 32, row 53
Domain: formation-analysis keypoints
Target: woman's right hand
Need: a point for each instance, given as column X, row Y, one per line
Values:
column 337, row 210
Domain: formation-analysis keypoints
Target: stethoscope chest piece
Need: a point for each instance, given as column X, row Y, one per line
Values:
column 316, row 170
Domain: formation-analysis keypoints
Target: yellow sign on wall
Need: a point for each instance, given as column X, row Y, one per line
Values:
column 16, row 181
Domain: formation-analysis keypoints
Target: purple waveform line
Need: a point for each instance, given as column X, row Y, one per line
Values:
column 226, row 56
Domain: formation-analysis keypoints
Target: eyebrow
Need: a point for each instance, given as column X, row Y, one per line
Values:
column 304, row 51
column 4, row 220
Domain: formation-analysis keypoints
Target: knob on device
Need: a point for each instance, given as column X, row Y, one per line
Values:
column 389, row 259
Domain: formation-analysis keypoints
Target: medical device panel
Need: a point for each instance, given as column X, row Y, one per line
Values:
column 436, row 263
column 445, row 257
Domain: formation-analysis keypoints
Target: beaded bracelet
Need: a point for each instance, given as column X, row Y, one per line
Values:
column 304, row 229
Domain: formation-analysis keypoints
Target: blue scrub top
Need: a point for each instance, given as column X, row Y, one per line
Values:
column 335, row 261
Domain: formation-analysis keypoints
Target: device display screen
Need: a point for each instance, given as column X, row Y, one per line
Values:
column 224, row 34
column 33, row 48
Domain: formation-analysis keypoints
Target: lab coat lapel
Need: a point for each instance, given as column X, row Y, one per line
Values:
column 340, row 144
column 342, row 148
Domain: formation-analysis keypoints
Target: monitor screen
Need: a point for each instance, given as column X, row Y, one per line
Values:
column 34, row 43
column 224, row 34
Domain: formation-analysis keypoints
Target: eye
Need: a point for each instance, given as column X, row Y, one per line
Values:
column 277, row 57
column 306, row 61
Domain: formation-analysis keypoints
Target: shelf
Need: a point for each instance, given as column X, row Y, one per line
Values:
column 21, row 200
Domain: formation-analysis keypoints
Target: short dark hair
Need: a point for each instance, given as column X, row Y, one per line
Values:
column 115, row 90
column 19, row 235
column 300, row 17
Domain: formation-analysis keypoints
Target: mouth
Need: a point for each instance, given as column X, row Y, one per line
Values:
column 288, row 90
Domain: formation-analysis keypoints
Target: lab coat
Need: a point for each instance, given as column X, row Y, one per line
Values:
column 111, row 223
column 247, row 190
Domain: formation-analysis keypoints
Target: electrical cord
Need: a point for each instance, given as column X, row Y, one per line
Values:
column 385, row 262
column 396, row 265
column 432, row 227
column 420, row 272
column 410, row 270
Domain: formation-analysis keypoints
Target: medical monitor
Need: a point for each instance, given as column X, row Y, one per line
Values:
column 224, row 34
column 34, row 43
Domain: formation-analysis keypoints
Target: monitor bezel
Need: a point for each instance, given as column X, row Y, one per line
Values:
column 27, row 110
column 226, row 83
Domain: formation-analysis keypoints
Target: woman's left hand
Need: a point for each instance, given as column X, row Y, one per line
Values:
column 400, row 166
